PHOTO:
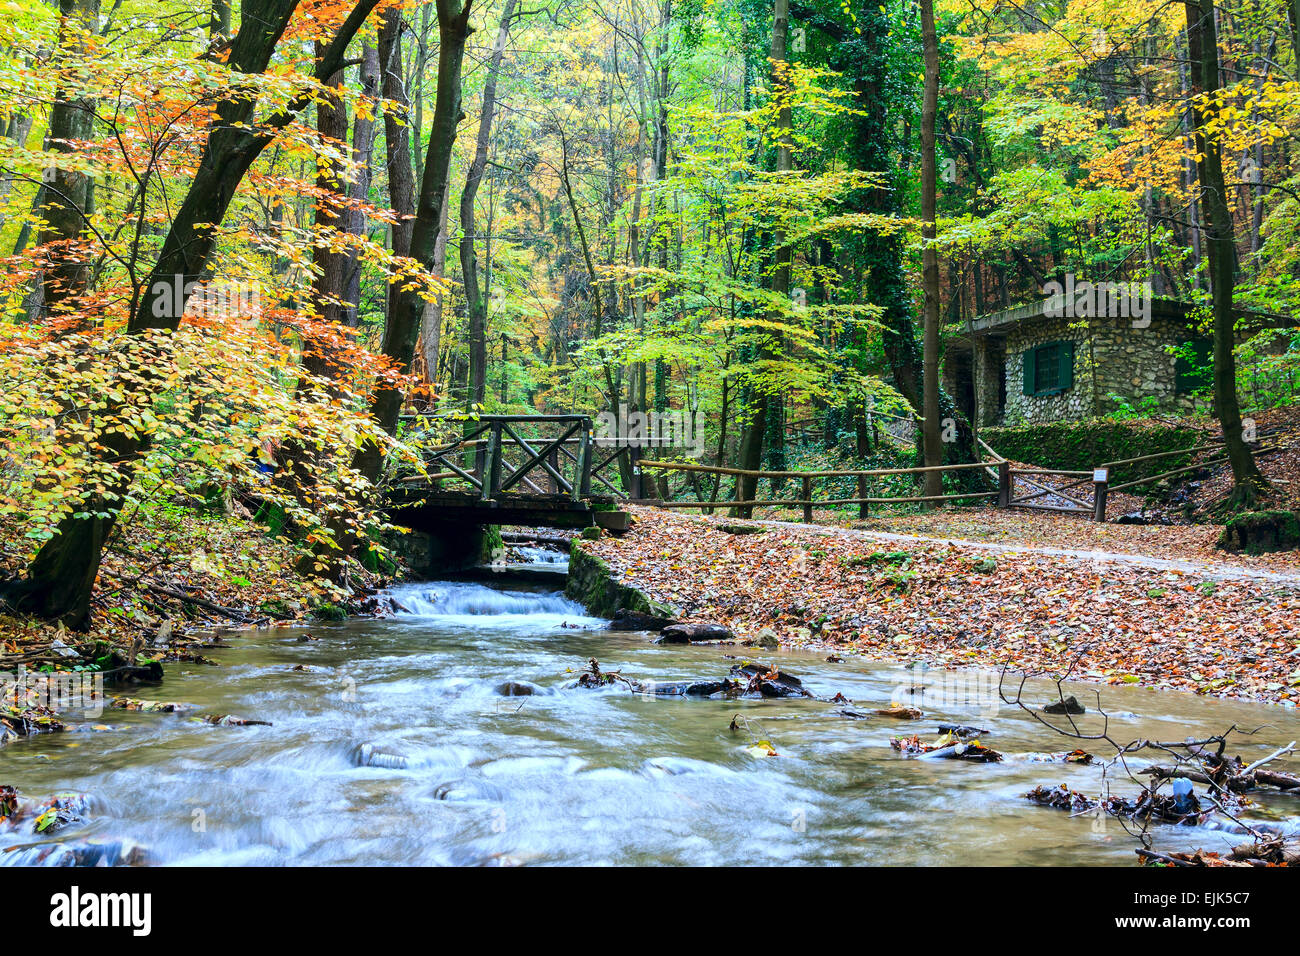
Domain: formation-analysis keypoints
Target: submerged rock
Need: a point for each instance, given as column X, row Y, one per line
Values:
column 25, row 721
column 516, row 688
column 1067, row 706
column 90, row 853
column 150, row 706
column 230, row 720
column 769, row 681
column 692, row 633
column 626, row 620
column 368, row 755
column 699, row 688
column 468, row 791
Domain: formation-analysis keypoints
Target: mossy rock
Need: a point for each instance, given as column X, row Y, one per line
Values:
column 731, row 528
column 326, row 611
column 875, row 558
column 1256, row 532
column 592, row 584
column 590, row 534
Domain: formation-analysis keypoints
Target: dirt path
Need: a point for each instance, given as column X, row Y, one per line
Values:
column 1218, row 571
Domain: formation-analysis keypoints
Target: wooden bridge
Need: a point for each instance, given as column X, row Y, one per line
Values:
column 532, row 470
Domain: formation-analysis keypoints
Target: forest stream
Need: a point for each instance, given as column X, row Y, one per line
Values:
column 394, row 743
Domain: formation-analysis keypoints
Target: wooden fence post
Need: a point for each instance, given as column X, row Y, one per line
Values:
column 634, row 469
column 806, row 493
column 1004, row 484
column 1100, row 487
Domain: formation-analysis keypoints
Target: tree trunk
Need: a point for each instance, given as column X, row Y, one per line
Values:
column 329, row 261
column 930, row 427
column 1221, row 253
column 66, row 196
column 406, row 306
column 762, row 402
column 475, row 297
column 363, row 153
column 431, row 322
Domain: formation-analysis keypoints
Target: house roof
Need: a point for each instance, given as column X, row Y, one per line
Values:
column 1054, row 307
column 998, row 324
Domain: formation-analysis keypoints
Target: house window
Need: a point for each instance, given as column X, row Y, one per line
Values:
column 1193, row 372
column 1049, row 368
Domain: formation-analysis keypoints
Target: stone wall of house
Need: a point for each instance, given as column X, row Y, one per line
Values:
column 1133, row 365
column 1074, row 402
column 1113, row 363
column 985, row 364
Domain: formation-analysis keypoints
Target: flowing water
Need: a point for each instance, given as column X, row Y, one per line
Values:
column 394, row 743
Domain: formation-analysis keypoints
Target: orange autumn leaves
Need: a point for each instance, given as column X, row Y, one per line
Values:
column 947, row 605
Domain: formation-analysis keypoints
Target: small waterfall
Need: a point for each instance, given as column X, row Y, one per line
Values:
column 476, row 605
column 541, row 556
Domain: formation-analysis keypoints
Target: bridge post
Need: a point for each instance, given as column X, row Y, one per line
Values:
column 491, row 474
column 582, row 470
column 553, row 459
column 1100, row 488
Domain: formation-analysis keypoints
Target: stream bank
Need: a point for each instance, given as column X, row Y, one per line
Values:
column 950, row 604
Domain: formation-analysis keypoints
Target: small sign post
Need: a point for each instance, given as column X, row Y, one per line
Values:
column 1100, row 484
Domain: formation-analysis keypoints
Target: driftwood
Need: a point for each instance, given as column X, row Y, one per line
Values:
column 1231, row 774
column 234, row 614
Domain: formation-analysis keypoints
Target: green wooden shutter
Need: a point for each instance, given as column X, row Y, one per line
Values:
column 1029, row 371
column 1065, row 377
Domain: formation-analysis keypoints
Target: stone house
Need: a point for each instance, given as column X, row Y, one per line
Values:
column 1033, row 364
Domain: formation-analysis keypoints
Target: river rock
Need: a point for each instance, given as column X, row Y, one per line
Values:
column 732, row 528
column 516, row 688
column 109, row 853
column 693, row 633
column 231, row 720
column 699, row 688
column 625, row 620
column 150, row 673
column 1067, row 706
column 368, row 755
column 769, row 682
column 468, row 791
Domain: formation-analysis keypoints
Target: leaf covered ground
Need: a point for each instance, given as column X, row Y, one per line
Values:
column 235, row 572
column 1211, row 632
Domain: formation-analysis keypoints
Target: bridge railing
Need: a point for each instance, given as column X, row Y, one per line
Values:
column 551, row 455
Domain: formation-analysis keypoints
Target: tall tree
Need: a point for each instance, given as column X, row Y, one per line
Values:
column 763, row 403
column 407, row 303
column 1220, row 249
column 68, row 194
column 476, row 301
column 930, row 427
